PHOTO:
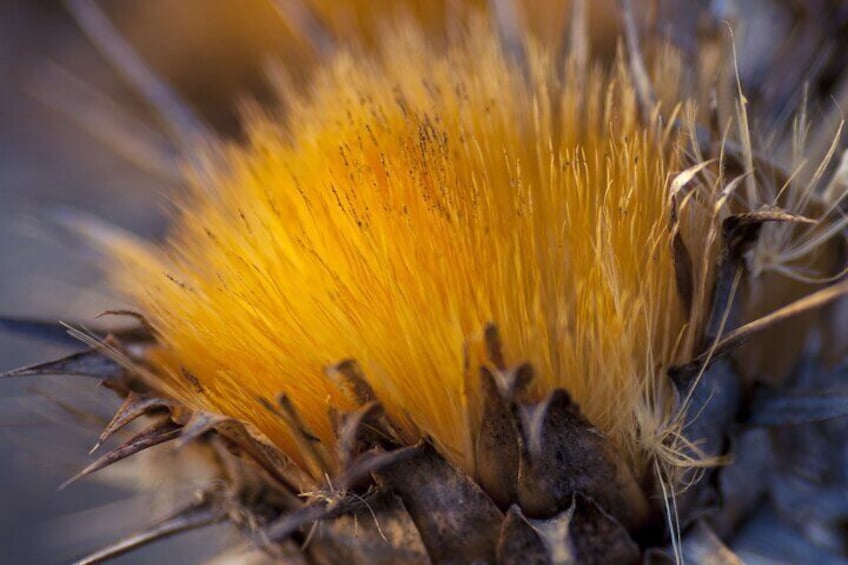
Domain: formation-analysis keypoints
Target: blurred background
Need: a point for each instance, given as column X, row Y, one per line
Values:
column 53, row 86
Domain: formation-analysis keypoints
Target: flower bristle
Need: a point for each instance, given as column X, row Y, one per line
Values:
column 407, row 201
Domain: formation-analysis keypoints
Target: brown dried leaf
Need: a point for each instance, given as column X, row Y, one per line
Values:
column 198, row 424
column 293, row 522
column 144, row 330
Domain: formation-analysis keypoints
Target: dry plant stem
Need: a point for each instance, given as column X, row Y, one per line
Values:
column 734, row 338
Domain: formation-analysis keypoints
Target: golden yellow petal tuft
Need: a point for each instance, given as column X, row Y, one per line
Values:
column 409, row 198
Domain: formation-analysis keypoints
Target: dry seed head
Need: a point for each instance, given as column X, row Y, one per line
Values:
column 407, row 200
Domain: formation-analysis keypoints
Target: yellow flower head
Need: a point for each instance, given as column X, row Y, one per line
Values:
column 409, row 197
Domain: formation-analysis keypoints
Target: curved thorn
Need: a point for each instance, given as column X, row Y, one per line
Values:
column 154, row 435
column 132, row 408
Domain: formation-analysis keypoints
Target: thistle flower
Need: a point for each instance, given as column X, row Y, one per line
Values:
column 475, row 292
